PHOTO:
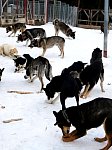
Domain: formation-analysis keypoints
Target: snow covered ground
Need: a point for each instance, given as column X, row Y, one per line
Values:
column 36, row 130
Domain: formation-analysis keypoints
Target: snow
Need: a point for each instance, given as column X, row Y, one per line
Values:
column 36, row 130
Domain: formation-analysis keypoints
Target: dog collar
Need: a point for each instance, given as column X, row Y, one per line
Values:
column 65, row 115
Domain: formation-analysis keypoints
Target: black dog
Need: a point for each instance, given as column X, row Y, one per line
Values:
column 92, row 73
column 84, row 117
column 61, row 26
column 30, row 34
column 1, row 71
column 66, row 84
column 58, row 82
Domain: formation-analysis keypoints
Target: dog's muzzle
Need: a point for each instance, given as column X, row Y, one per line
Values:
column 26, row 77
column 65, row 131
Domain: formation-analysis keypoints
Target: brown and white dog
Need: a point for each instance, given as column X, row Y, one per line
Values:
column 64, row 28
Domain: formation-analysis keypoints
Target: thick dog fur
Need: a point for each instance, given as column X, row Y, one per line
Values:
column 1, row 71
column 61, row 26
column 49, row 42
column 76, row 66
column 85, row 117
column 8, row 50
column 66, row 84
column 16, row 27
column 92, row 73
column 39, row 67
column 30, row 34
column 28, row 59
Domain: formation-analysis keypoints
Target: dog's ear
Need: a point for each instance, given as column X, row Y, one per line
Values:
column 55, row 113
column 84, row 64
column 2, row 69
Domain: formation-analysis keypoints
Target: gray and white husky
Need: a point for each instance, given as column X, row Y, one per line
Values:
column 39, row 67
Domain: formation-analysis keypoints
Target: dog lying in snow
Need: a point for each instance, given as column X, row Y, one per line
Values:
column 8, row 50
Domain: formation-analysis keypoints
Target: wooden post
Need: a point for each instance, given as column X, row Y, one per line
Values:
column 46, row 11
column 25, row 9
column 106, row 6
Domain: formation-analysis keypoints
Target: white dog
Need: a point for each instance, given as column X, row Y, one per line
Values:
column 8, row 50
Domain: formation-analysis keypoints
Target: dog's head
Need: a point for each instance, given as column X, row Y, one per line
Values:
column 49, row 91
column 34, row 43
column 77, row 66
column 13, row 52
column 96, row 55
column 19, row 63
column 1, row 71
column 55, row 22
column 73, row 34
column 62, row 121
column 8, row 29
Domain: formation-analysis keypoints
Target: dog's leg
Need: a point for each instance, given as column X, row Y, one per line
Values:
column 11, row 34
column 74, row 135
column 44, row 50
column 56, row 32
column 32, row 79
column 101, row 85
column 27, row 42
column 85, row 92
column 42, row 83
column 62, row 100
column 109, row 144
column 108, row 131
column 61, row 51
column 101, row 82
column 56, row 98
column 77, row 99
column 100, row 139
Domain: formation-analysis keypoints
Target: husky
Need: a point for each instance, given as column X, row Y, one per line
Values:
column 39, row 67
column 61, row 26
column 30, row 34
column 49, row 42
column 1, row 71
column 85, row 117
column 92, row 73
column 16, row 27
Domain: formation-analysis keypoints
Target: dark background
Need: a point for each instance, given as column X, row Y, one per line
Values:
column 91, row 4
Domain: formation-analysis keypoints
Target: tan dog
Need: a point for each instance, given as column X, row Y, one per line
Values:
column 8, row 50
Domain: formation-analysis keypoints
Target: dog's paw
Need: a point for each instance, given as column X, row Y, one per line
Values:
column 68, row 138
column 49, row 101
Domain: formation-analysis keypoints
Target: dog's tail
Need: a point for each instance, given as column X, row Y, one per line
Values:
column 48, row 71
